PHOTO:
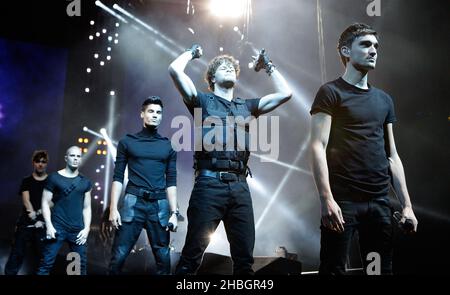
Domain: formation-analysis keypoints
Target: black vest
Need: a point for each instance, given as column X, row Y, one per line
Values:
column 231, row 149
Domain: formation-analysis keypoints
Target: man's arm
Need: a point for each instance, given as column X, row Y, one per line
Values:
column 172, row 198
column 171, row 183
column 399, row 179
column 45, row 205
column 114, row 215
column 182, row 81
column 282, row 94
column 320, row 131
column 28, row 206
column 87, row 216
column 118, row 178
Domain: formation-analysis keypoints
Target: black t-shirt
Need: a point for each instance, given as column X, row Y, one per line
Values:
column 67, row 211
column 356, row 155
column 35, row 188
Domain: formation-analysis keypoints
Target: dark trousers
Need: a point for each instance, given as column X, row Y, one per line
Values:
column 25, row 237
column 145, row 216
column 212, row 201
column 52, row 247
column 373, row 222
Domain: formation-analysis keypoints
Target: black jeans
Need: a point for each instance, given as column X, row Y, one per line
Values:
column 373, row 221
column 25, row 237
column 52, row 247
column 145, row 216
column 212, row 201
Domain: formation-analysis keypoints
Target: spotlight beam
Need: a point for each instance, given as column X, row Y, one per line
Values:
column 86, row 129
column 148, row 27
column 281, row 185
column 110, row 11
column 292, row 167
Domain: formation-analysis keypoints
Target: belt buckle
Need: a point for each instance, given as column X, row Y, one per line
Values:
column 227, row 179
column 146, row 194
column 220, row 175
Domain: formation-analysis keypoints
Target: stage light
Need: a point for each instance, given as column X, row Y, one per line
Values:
column 80, row 140
column 117, row 34
column 227, row 8
column 117, row 25
column 213, row 238
column 85, row 128
column 102, row 63
column 109, row 48
column 108, row 57
column 97, row 170
column 104, row 152
column 221, row 49
column 92, row 22
column 235, row 29
column 86, row 140
column 102, row 166
column 116, row 41
column 96, row 197
column 97, row 184
column 88, row 70
column 97, row 34
column 86, row 90
column 99, row 142
column 102, row 132
column 99, row 188
column 99, row 152
column 104, row 31
column 91, row 37
column 95, row 55
column 112, row 92
column 104, row 142
column 101, row 202
column 109, row 38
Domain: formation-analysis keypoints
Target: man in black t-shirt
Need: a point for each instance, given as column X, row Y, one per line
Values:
column 69, row 219
column 353, row 159
column 30, row 226
column 221, row 192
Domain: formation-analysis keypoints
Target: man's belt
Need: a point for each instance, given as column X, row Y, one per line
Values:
column 155, row 194
column 225, row 176
column 219, row 164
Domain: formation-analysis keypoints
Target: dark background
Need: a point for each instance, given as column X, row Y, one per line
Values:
column 43, row 59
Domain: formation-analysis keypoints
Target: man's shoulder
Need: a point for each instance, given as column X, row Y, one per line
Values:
column 52, row 178
column 332, row 86
column 127, row 137
column 27, row 178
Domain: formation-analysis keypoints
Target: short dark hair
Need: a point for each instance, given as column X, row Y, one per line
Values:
column 215, row 63
column 350, row 34
column 151, row 100
column 39, row 154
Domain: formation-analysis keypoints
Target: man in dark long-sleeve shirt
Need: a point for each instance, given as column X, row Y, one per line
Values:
column 150, row 193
